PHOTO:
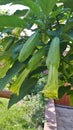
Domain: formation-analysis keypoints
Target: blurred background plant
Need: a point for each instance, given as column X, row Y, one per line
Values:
column 28, row 114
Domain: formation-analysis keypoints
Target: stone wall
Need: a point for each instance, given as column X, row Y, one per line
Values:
column 58, row 117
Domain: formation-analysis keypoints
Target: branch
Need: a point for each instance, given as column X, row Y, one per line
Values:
column 5, row 94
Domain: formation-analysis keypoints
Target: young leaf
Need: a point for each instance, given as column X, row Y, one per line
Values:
column 15, row 87
column 26, row 88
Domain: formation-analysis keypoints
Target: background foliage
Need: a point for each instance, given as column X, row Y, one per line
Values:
column 28, row 114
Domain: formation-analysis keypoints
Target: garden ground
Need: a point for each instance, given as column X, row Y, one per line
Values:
column 25, row 115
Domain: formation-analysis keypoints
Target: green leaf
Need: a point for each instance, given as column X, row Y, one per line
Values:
column 26, row 88
column 54, row 33
column 9, row 44
column 71, row 57
column 33, row 6
column 2, row 2
column 11, row 21
column 71, row 80
column 67, row 37
column 15, row 87
column 38, row 70
column 70, row 92
column 69, row 4
column 62, row 90
column 71, row 99
column 63, row 46
column 70, row 33
column 16, row 49
column 10, row 74
column 7, row 30
column 47, row 6
column 4, row 66
column 5, row 41
column 58, row 11
column 68, row 25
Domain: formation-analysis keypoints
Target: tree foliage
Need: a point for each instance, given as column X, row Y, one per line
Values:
column 53, row 18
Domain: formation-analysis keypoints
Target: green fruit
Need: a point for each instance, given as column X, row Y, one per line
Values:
column 28, row 47
column 34, row 61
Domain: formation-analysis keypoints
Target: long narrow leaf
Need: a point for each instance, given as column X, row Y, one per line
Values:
column 26, row 88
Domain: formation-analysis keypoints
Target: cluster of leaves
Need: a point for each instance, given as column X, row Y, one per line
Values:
column 52, row 18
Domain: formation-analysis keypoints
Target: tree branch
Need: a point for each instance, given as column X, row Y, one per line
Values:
column 5, row 94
